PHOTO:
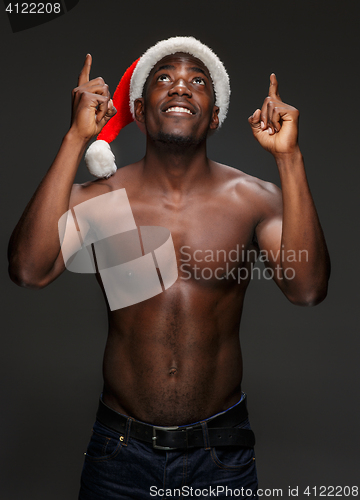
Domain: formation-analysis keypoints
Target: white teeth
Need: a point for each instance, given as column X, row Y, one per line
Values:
column 179, row 110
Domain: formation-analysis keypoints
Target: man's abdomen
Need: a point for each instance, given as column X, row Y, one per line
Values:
column 176, row 358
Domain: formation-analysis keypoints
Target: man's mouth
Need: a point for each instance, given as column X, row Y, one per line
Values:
column 178, row 109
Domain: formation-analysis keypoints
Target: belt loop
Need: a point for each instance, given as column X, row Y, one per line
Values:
column 127, row 431
column 205, row 435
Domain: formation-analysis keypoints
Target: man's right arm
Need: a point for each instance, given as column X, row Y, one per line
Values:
column 34, row 251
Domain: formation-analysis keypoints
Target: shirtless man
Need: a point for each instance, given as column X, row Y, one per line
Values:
column 175, row 359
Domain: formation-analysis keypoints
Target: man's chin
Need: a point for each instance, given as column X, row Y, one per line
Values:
column 177, row 140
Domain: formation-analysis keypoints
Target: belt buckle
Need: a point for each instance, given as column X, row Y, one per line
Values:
column 154, row 437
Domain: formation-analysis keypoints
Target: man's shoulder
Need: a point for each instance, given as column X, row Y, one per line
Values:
column 87, row 190
column 245, row 185
column 97, row 187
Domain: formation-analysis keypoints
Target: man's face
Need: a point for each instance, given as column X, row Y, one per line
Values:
column 178, row 101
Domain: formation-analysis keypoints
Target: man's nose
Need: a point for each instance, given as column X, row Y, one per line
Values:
column 180, row 87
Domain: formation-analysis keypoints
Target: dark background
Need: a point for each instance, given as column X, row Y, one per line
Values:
column 301, row 364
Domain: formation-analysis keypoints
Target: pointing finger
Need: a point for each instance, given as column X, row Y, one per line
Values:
column 274, row 86
column 85, row 72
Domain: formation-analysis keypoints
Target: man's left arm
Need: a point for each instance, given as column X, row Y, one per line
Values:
column 293, row 243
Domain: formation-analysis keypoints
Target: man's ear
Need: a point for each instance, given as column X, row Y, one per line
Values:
column 139, row 108
column 214, row 118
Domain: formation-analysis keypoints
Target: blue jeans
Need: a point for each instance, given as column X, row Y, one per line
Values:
column 121, row 467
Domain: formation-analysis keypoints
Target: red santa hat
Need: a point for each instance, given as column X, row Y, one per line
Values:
column 99, row 157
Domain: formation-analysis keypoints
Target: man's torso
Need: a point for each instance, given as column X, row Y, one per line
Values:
column 176, row 358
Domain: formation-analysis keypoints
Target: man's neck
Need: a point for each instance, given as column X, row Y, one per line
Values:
column 172, row 168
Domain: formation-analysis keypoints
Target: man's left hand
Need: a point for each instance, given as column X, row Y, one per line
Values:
column 275, row 125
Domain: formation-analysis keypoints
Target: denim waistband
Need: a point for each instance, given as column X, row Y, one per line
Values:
column 243, row 396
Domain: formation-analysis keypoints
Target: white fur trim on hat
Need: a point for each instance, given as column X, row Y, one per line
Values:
column 190, row 45
column 100, row 160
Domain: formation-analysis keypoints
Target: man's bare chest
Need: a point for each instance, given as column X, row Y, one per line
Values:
column 202, row 239
column 209, row 228
column 206, row 233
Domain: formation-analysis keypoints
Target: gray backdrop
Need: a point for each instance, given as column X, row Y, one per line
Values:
column 301, row 364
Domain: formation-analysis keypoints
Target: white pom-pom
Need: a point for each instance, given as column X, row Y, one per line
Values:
column 100, row 160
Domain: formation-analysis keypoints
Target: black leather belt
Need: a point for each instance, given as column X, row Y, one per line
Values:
column 221, row 430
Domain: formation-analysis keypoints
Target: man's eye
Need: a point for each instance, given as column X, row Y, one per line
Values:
column 163, row 78
column 199, row 80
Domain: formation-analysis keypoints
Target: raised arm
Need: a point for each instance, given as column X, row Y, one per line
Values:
column 34, row 250
column 290, row 233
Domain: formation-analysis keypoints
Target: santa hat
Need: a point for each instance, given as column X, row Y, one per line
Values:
column 99, row 157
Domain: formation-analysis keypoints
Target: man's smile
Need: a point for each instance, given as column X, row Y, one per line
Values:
column 178, row 107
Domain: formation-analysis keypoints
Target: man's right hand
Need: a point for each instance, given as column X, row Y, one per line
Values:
column 92, row 106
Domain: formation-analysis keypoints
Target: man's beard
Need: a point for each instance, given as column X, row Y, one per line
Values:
column 178, row 142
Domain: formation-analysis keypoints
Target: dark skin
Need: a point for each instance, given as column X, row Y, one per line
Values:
column 176, row 358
